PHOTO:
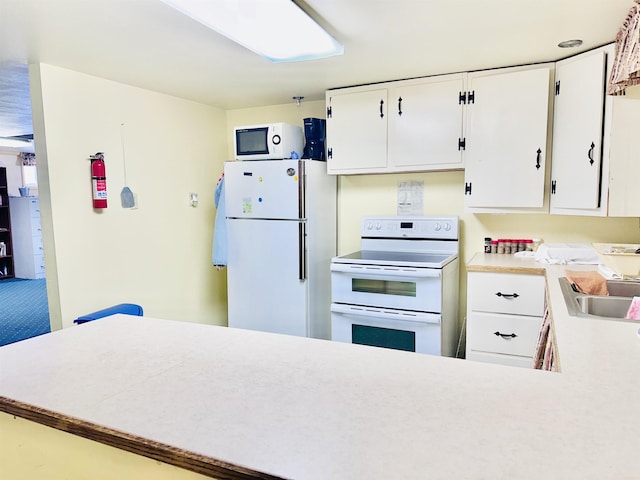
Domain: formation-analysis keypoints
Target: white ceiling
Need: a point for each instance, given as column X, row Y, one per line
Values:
column 148, row 44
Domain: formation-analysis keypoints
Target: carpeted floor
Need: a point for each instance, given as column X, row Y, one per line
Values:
column 24, row 312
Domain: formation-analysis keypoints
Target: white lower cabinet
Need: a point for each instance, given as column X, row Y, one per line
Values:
column 504, row 316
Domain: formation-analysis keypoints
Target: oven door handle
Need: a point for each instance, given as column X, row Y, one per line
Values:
column 378, row 271
column 373, row 312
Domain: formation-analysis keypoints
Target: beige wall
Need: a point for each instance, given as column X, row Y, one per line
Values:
column 157, row 255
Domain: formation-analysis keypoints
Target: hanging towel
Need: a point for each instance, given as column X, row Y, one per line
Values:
column 219, row 251
column 544, row 355
column 589, row 282
column 634, row 310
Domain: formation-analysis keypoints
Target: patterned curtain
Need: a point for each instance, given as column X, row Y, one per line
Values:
column 626, row 65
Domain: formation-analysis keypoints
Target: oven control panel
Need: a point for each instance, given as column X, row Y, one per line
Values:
column 441, row 227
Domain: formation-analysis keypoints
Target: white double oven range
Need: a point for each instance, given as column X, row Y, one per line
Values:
column 401, row 290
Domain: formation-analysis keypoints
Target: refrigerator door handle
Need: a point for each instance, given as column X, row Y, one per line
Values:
column 302, row 248
column 302, row 179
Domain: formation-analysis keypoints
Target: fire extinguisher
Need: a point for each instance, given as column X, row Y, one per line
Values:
column 98, row 180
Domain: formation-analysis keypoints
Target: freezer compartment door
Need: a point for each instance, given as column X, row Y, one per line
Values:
column 266, row 284
column 265, row 189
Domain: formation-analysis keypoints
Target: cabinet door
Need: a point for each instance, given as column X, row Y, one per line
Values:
column 624, row 192
column 425, row 124
column 577, row 132
column 506, row 133
column 357, row 131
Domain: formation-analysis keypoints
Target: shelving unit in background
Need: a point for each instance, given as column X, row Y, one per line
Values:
column 6, row 252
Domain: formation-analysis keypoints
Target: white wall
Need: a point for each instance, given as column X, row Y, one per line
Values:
column 158, row 255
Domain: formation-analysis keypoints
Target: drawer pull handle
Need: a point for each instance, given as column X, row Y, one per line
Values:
column 505, row 335
column 507, row 295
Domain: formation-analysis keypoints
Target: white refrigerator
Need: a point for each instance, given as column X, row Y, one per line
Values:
column 281, row 234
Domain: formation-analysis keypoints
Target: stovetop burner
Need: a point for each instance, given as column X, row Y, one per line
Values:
column 403, row 259
column 421, row 242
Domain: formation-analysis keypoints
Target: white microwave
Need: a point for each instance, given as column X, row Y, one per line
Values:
column 268, row 142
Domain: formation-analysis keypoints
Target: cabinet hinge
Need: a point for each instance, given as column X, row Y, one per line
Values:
column 553, row 187
column 329, row 112
column 462, row 143
column 467, row 188
column 471, row 97
column 466, row 97
column 330, row 153
column 558, row 87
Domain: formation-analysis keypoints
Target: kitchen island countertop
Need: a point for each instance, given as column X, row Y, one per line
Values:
column 243, row 404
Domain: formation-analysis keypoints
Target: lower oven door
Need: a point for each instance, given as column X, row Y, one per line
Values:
column 404, row 288
column 382, row 327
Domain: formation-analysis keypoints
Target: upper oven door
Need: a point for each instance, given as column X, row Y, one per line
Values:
column 405, row 288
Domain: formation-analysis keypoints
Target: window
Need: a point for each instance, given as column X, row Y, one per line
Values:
column 29, row 176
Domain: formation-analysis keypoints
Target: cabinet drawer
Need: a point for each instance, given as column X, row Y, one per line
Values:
column 511, row 360
column 496, row 333
column 36, row 228
column 39, row 264
column 38, row 247
column 506, row 293
column 34, row 208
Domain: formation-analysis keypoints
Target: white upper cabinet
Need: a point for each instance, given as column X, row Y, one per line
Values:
column 507, row 139
column 356, row 130
column 590, row 125
column 577, row 132
column 624, row 173
column 403, row 126
column 425, row 124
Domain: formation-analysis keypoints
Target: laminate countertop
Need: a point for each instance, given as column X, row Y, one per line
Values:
column 241, row 404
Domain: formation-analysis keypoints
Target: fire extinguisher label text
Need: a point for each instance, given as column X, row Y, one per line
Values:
column 100, row 189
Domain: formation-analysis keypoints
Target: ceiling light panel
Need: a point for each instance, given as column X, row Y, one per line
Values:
column 278, row 30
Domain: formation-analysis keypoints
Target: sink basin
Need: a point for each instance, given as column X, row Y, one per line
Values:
column 619, row 288
column 614, row 306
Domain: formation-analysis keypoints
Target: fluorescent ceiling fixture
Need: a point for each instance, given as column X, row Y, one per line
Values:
column 278, row 30
column 14, row 142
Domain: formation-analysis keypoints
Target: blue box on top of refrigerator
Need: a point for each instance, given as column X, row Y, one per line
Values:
column 281, row 227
